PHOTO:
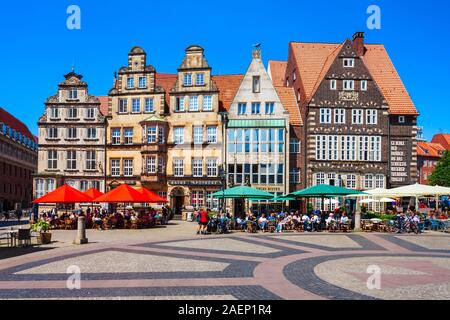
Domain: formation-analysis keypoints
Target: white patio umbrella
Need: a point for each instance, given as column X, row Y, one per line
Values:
column 368, row 201
column 387, row 200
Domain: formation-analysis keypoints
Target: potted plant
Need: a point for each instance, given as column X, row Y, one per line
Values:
column 42, row 227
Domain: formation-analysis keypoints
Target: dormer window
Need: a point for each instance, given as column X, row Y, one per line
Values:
column 349, row 63
column 363, row 85
column 200, row 79
column 130, row 83
column 333, row 84
column 349, row 85
column 401, row 119
column 72, row 94
column 256, row 84
column 142, row 82
column 187, row 79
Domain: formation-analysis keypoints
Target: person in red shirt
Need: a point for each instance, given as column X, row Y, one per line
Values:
column 202, row 221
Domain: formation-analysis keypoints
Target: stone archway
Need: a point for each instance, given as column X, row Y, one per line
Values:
column 177, row 197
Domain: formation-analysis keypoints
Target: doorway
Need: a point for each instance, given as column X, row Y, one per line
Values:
column 177, row 201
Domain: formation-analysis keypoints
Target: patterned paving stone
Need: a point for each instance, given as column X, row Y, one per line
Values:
column 123, row 262
column 431, row 243
column 229, row 245
column 330, row 241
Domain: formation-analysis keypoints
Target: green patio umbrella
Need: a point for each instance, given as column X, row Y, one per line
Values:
column 324, row 191
column 243, row 192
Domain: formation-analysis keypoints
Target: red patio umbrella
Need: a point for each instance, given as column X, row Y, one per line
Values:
column 122, row 194
column 64, row 194
column 93, row 193
column 151, row 196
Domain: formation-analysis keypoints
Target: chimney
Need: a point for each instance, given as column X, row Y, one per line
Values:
column 358, row 43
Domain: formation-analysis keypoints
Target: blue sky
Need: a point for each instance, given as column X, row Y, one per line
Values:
column 37, row 49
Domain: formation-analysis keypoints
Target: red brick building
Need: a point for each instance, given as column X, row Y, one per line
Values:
column 443, row 139
column 18, row 162
column 428, row 155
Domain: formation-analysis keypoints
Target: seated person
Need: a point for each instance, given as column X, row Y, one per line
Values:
column 315, row 222
column 344, row 219
column 262, row 222
column 306, row 222
column 330, row 220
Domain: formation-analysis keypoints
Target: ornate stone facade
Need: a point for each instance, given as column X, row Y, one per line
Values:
column 71, row 139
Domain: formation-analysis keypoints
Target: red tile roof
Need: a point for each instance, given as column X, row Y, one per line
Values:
column 228, row 85
column 287, row 97
column 428, row 149
column 314, row 59
column 443, row 139
column 277, row 72
column 16, row 124
column 104, row 105
column 167, row 82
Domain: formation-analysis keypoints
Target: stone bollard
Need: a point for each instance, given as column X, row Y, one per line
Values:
column 357, row 222
column 81, row 233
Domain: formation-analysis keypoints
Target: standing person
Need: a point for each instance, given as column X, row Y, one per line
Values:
column 202, row 221
column 18, row 214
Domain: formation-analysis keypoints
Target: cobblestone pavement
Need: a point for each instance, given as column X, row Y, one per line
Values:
column 173, row 263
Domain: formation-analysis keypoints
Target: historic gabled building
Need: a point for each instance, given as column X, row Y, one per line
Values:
column 195, row 135
column 257, row 140
column 71, row 139
column 137, row 127
column 360, row 123
column 428, row 155
column 18, row 162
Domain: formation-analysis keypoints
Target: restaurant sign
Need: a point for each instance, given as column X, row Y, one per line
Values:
column 400, row 152
column 195, row 183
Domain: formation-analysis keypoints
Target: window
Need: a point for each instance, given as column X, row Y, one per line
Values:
column 130, row 83
column 116, row 136
column 52, row 159
column 198, row 199
column 349, row 85
column 187, row 79
column 379, row 181
column 180, row 104
column 339, row 116
column 72, row 133
column 149, row 105
column 72, row 113
column 161, row 165
column 242, row 108
column 90, row 113
column 197, row 167
column 198, row 135
column 256, row 107
column 294, row 76
column 123, row 105
column 84, row 184
column 128, row 133
column 136, row 106
column 371, row 116
column 349, row 63
column 178, row 135
column 211, row 167
column 294, row 146
column 142, row 82
column 207, row 103
column 40, row 185
column 294, row 176
column 401, row 119
column 91, row 133
column 333, row 84
column 357, row 116
column 151, row 135
column 128, row 167
column 200, row 79
column 211, row 203
column 178, row 167
column 211, row 133
column 256, row 84
column 193, row 103
column 71, row 160
column 91, row 160
column 52, row 133
column 325, row 115
column 72, row 94
column 363, row 85
column 161, row 135
column 151, row 165
column 115, row 167
column 368, row 181
column 49, row 185
column 351, row 181
column 270, row 108
column 54, row 113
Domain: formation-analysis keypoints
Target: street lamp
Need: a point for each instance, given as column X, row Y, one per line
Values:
column 223, row 181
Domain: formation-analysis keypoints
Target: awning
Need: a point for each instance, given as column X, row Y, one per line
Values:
column 257, row 123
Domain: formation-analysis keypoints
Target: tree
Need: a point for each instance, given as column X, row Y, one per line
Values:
column 441, row 175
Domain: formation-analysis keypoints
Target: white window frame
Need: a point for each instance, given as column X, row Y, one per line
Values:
column 136, row 105
column 348, row 85
column 193, row 103
column 211, row 134
column 128, row 168
column 401, row 119
column 294, row 176
column 270, row 108
column 142, row 82
column 187, row 80
column 178, row 167
column 128, row 139
column 91, row 160
column 72, row 133
column 71, row 160
column 363, row 85
column 180, row 107
column 54, row 113
column 197, row 167
column 211, row 167
column 151, row 165
column 178, row 135
column 348, row 63
column 197, row 134
column 152, row 134
column 91, row 133
column 200, row 79
column 149, row 105
column 256, row 108
column 115, row 167
column 325, row 115
column 372, row 116
column 52, row 133
column 130, row 83
column 339, row 116
column 294, row 145
column 333, row 84
column 242, row 108
column 207, row 103
column 52, row 159
column 357, row 116
column 116, row 136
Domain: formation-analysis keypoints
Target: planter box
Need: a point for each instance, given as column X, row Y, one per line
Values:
column 45, row 238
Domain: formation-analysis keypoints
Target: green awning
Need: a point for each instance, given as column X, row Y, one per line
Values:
column 324, row 191
column 267, row 123
column 243, row 192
